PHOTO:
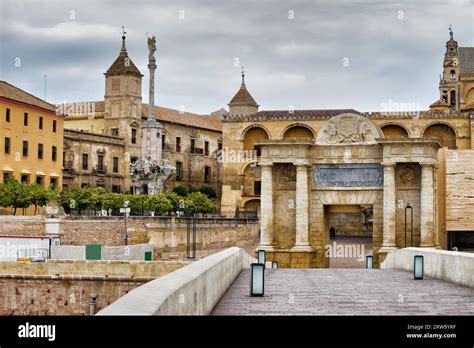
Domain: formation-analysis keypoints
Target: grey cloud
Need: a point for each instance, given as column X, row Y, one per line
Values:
column 289, row 62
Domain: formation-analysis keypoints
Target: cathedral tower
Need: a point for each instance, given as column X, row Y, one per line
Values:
column 448, row 84
column 123, row 104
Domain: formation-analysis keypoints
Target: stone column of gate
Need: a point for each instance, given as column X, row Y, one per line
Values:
column 389, row 207
column 427, row 206
column 302, row 207
column 266, row 207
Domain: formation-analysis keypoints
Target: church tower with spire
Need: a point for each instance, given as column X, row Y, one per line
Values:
column 123, row 104
column 448, row 84
column 242, row 104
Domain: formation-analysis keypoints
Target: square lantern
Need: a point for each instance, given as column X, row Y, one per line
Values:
column 274, row 265
column 418, row 267
column 261, row 257
column 369, row 262
column 257, row 279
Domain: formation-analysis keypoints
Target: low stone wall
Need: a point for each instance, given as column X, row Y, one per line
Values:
column 59, row 269
column 192, row 290
column 167, row 234
column 451, row 266
column 64, row 287
column 22, row 225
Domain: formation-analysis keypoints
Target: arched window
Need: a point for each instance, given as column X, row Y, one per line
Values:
column 251, row 135
column 298, row 132
column 452, row 98
column 442, row 131
column 452, row 75
column 394, row 131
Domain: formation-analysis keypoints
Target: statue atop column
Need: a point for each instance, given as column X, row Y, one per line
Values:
column 151, row 47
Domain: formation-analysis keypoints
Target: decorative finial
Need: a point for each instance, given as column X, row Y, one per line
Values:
column 243, row 76
column 123, row 50
column 450, row 32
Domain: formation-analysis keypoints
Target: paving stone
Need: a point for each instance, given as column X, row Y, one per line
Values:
column 346, row 292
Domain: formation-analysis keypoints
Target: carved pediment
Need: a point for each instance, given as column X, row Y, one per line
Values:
column 348, row 129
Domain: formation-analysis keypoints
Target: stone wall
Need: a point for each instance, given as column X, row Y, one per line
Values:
column 168, row 235
column 191, row 290
column 65, row 287
column 459, row 190
column 347, row 220
column 22, row 225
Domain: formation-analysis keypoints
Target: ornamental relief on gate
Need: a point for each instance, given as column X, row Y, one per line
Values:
column 348, row 129
column 408, row 176
column 285, row 176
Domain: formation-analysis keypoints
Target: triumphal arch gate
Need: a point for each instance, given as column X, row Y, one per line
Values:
column 349, row 163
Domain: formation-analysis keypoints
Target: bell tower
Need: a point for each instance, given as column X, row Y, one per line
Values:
column 123, row 104
column 448, row 83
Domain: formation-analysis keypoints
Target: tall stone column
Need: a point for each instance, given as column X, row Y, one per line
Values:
column 266, row 209
column 389, row 208
column 302, row 208
column 427, row 216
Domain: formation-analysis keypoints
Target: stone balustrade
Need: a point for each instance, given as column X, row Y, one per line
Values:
column 192, row 290
column 451, row 266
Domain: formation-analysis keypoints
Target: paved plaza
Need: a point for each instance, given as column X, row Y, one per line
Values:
column 346, row 292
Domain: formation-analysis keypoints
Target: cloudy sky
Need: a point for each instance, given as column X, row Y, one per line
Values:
column 309, row 54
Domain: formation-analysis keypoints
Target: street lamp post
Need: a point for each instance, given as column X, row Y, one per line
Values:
column 191, row 225
column 125, row 210
column 409, row 207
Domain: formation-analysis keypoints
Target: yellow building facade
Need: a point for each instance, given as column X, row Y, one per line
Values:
column 31, row 135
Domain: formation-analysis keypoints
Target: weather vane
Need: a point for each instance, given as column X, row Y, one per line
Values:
column 123, row 31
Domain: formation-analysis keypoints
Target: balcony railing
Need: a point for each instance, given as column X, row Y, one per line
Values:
column 100, row 169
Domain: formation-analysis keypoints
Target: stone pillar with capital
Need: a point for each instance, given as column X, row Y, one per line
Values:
column 266, row 208
column 302, row 209
column 389, row 208
column 427, row 213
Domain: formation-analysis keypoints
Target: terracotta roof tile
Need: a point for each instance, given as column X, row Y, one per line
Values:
column 302, row 114
column 243, row 96
column 14, row 93
column 186, row 119
column 123, row 67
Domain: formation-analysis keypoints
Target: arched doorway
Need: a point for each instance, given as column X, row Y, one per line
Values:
column 440, row 130
column 144, row 189
column 394, row 131
column 252, row 207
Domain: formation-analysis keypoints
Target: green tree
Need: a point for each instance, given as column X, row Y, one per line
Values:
column 97, row 197
column 5, row 196
column 79, row 199
column 174, row 200
column 112, row 201
column 39, row 196
column 198, row 202
column 136, row 203
column 158, row 203
column 208, row 191
column 15, row 194
column 180, row 191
